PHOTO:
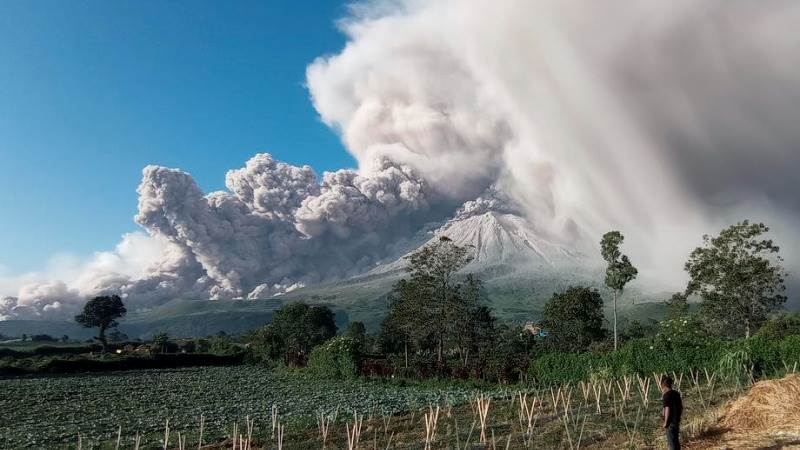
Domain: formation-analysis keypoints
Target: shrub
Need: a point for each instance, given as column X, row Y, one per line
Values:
column 780, row 327
column 337, row 358
column 789, row 350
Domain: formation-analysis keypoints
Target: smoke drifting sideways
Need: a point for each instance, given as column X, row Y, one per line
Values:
column 665, row 120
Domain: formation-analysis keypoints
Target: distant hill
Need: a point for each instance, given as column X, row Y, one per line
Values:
column 520, row 267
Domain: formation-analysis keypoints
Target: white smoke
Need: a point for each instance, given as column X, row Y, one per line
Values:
column 665, row 120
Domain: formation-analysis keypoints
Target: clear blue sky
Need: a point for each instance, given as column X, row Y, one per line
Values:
column 92, row 91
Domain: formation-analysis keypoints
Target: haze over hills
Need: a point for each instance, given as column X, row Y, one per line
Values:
column 520, row 267
column 586, row 131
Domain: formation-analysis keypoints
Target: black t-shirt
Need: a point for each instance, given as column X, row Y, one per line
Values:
column 672, row 400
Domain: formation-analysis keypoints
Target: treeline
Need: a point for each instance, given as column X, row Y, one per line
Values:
column 439, row 325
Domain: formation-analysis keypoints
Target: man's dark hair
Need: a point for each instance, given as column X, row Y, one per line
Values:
column 666, row 380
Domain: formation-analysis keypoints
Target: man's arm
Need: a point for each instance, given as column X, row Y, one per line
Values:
column 666, row 416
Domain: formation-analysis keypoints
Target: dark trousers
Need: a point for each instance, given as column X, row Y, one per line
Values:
column 673, row 437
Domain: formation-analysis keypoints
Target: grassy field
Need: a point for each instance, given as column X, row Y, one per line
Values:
column 49, row 412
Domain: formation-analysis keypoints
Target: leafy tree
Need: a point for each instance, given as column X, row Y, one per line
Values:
column 431, row 304
column 637, row 330
column 506, row 356
column 738, row 277
column 337, row 358
column 160, row 342
column 117, row 336
column 433, row 269
column 102, row 312
column 477, row 335
column 295, row 329
column 779, row 327
column 619, row 272
column 574, row 319
column 65, row 338
column 677, row 306
column 358, row 333
column 397, row 329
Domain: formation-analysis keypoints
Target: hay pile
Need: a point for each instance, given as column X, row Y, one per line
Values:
column 770, row 405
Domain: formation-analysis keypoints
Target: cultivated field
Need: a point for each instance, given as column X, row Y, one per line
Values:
column 247, row 407
column 50, row 412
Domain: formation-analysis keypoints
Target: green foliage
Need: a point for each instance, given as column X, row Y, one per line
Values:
column 734, row 363
column 142, row 398
column 574, row 319
column 789, row 350
column 682, row 330
column 431, row 306
column 781, row 326
column 159, row 342
column 732, row 359
column 336, row 358
column 739, row 278
column 507, row 356
column 358, row 332
column 101, row 312
column 619, row 271
column 677, row 306
column 295, row 329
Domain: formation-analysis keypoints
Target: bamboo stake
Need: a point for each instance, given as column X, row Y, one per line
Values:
column 274, row 416
column 166, row 434
column 281, row 431
column 119, row 437
column 431, row 419
column 202, row 425
column 482, row 403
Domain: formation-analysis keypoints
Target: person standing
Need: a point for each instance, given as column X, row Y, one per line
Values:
column 673, row 409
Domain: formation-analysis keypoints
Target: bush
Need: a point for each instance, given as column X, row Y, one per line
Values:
column 789, row 350
column 780, row 327
column 337, row 358
column 645, row 356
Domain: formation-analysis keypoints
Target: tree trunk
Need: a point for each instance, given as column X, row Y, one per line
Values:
column 615, row 320
column 439, row 350
column 405, row 349
column 747, row 328
column 102, row 338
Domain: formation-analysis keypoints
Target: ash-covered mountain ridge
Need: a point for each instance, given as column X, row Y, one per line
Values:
column 521, row 269
column 520, row 266
column 498, row 237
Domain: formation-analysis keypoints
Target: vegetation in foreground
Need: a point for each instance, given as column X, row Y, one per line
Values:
column 438, row 327
column 255, row 408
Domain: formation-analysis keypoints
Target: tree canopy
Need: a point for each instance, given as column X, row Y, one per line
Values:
column 102, row 312
column 432, row 304
column 619, row 271
column 573, row 319
column 295, row 329
column 739, row 278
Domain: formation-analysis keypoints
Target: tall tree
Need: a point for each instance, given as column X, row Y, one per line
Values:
column 677, row 306
column 430, row 303
column 573, row 319
column 433, row 269
column 295, row 329
column 738, row 277
column 102, row 312
column 619, row 271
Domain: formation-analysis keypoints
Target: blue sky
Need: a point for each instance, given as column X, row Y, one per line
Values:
column 92, row 91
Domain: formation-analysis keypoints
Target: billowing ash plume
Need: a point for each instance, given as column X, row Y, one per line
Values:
column 666, row 120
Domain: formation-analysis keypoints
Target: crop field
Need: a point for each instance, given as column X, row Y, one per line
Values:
column 248, row 407
column 50, row 412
